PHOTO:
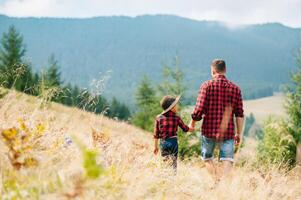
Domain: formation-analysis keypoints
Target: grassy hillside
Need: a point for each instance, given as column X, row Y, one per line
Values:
column 125, row 152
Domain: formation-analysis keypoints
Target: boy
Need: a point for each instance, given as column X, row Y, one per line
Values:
column 166, row 128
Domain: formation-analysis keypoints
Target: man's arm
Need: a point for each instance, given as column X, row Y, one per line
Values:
column 200, row 107
column 239, row 127
column 239, row 117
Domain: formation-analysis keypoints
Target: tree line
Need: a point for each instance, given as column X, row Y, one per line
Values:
column 16, row 73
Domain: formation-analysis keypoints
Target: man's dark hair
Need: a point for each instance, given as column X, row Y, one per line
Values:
column 219, row 65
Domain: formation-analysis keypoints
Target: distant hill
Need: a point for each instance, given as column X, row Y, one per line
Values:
column 264, row 107
column 259, row 57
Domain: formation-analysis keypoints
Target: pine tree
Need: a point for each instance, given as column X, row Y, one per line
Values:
column 294, row 102
column 118, row 110
column 172, row 80
column 124, row 112
column 53, row 76
column 148, row 105
column 14, row 71
column 75, row 92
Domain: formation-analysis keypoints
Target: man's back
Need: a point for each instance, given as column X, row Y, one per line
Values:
column 214, row 98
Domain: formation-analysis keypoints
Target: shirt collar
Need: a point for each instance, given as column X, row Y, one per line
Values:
column 220, row 76
column 170, row 113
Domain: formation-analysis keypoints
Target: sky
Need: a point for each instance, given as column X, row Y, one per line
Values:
column 232, row 12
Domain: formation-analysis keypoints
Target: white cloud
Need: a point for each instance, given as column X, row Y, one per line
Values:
column 229, row 11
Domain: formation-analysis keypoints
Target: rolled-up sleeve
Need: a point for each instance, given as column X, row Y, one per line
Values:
column 238, row 109
column 183, row 126
column 200, row 106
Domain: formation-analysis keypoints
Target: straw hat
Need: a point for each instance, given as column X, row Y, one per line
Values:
column 168, row 102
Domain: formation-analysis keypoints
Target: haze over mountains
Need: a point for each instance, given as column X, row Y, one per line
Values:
column 259, row 57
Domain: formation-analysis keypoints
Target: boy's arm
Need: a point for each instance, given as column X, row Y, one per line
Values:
column 156, row 137
column 184, row 127
column 156, row 149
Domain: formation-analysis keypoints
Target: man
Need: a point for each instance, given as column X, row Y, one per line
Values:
column 218, row 102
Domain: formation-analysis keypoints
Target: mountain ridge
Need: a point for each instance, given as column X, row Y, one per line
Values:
column 131, row 47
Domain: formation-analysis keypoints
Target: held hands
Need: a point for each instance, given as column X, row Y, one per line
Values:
column 191, row 129
column 191, row 126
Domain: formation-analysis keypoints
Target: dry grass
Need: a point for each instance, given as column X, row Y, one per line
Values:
column 131, row 170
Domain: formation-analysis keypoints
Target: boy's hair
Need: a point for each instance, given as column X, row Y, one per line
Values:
column 166, row 101
column 219, row 65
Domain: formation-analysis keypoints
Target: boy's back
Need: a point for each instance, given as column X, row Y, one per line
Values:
column 167, row 125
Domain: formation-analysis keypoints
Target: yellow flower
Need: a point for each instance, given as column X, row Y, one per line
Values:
column 40, row 128
column 23, row 126
column 10, row 134
column 30, row 162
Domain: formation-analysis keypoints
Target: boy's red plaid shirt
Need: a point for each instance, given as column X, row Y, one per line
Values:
column 166, row 125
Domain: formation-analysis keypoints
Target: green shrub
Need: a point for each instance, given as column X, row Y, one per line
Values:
column 189, row 143
column 277, row 147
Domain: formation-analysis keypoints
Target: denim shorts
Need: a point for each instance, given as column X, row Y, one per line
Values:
column 169, row 150
column 226, row 150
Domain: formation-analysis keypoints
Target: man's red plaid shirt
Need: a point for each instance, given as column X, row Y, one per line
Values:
column 167, row 125
column 214, row 97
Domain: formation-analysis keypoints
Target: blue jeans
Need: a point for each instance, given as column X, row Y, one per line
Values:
column 169, row 150
column 226, row 150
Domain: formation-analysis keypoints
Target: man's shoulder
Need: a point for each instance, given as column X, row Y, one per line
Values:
column 234, row 86
column 206, row 84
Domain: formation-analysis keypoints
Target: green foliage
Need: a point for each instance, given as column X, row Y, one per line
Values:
column 53, row 76
column 252, row 129
column 15, row 72
column 118, row 110
column 13, row 190
column 46, row 93
column 92, row 169
column 259, row 91
column 281, row 137
column 277, row 146
column 3, row 92
column 172, row 80
column 250, row 120
column 147, row 98
column 189, row 143
column 148, row 105
column 293, row 105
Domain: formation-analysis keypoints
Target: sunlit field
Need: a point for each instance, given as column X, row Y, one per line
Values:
column 56, row 152
column 264, row 107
